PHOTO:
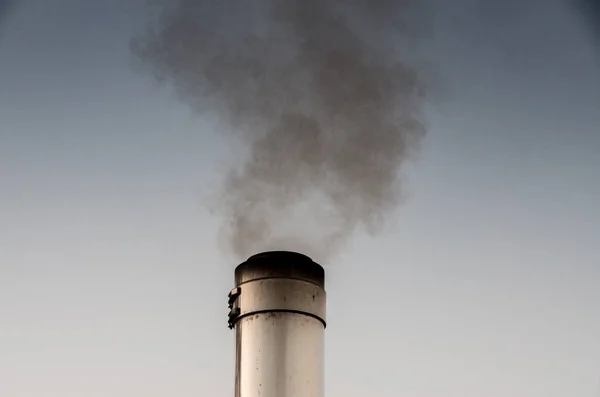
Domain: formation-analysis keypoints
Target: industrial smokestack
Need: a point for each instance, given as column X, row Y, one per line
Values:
column 277, row 309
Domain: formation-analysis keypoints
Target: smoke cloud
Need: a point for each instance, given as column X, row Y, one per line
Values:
column 321, row 93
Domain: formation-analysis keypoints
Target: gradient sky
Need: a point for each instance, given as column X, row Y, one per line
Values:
column 485, row 284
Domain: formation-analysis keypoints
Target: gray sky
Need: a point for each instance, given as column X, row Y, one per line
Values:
column 484, row 284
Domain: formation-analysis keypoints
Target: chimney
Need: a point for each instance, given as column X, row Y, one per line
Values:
column 277, row 310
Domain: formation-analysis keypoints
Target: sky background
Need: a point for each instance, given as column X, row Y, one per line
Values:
column 484, row 284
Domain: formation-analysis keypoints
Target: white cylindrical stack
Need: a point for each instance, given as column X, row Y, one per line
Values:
column 278, row 313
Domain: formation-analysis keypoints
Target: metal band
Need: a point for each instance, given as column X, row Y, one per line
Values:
column 279, row 295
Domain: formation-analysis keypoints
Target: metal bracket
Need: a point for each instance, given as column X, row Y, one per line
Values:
column 234, row 312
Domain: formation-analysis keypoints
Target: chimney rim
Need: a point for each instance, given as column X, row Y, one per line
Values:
column 280, row 264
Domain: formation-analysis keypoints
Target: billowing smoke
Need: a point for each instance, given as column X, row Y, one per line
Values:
column 322, row 94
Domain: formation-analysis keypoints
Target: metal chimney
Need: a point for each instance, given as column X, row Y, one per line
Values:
column 278, row 313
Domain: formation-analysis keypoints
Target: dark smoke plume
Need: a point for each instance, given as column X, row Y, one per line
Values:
column 321, row 92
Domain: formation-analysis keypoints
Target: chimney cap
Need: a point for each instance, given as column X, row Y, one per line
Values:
column 280, row 264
